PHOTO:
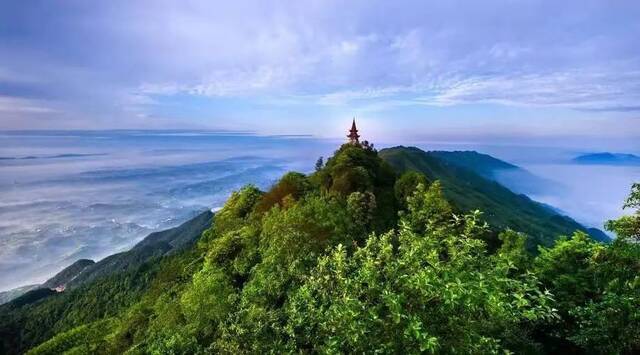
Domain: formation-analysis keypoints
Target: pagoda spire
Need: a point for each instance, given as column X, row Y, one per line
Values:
column 354, row 137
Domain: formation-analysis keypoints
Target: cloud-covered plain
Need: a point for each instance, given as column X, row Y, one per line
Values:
column 116, row 64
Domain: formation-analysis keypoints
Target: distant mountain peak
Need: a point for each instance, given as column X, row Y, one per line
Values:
column 607, row 158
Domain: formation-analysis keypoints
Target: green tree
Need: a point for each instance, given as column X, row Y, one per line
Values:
column 319, row 164
column 406, row 184
column 428, row 208
column 409, row 299
column 361, row 207
column 355, row 168
column 597, row 291
column 628, row 227
column 235, row 211
column 291, row 187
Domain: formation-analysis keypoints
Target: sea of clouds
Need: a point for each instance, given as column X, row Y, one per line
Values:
column 71, row 195
column 67, row 196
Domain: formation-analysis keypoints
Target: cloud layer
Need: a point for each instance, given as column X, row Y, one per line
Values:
column 143, row 63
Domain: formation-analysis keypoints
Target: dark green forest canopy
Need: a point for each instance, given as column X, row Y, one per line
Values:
column 357, row 258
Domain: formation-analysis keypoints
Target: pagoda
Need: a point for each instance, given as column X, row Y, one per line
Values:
column 353, row 134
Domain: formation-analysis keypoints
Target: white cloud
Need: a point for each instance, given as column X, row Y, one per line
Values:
column 330, row 53
column 580, row 89
column 15, row 105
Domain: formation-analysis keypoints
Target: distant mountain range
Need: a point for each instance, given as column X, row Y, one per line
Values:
column 607, row 159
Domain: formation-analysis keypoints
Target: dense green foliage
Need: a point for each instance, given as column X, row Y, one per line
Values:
column 429, row 287
column 597, row 293
column 628, row 227
column 33, row 323
column 353, row 259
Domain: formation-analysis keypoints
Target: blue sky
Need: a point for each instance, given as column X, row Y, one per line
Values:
column 450, row 70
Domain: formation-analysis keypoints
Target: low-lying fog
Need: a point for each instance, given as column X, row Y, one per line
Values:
column 72, row 195
column 590, row 194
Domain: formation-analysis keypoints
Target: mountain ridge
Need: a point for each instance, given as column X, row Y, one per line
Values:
column 514, row 177
column 498, row 202
column 156, row 244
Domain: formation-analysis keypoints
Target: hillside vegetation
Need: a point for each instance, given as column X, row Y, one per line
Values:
column 468, row 190
column 154, row 246
column 512, row 176
column 357, row 259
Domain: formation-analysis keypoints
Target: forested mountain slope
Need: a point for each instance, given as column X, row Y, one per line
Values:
column 515, row 178
column 482, row 164
column 109, row 286
column 468, row 190
column 154, row 245
column 68, row 274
